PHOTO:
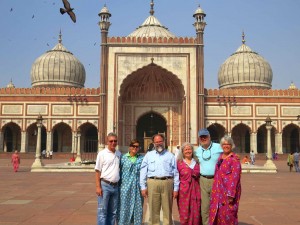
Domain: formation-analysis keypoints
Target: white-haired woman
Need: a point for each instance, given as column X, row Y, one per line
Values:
column 189, row 197
column 226, row 190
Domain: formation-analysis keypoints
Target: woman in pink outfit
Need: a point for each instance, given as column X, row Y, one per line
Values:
column 189, row 197
column 15, row 160
column 226, row 190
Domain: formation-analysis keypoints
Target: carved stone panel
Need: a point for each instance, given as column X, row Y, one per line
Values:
column 241, row 111
column 12, row 109
column 215, row 110
column 62, row 110
column 88, row 110
column 37, row 109
column 266, row 110
column 290, row 111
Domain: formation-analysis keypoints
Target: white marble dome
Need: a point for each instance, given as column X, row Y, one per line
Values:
column 57, row 67
column 245, row 68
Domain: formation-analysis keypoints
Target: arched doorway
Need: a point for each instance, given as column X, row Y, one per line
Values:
column 290, row 138
column 216, row 132
column 148, row 125
column 32, row 138
column 241, row 137
column 62, row 138
column 12, row 137
column 88, row 142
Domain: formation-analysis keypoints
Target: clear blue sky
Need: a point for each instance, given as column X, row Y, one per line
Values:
column 272, row 29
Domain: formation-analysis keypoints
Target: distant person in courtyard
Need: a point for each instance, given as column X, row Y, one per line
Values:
column 252, row 157
column 51, row 154
column 246, row 160
column 15, row 160
column 296, row 161
column 189, row 197
column 159, row 181
column 44, row 154
column 130, row 209
column 208, row 154
column 107, row 181
column 226, row 190
column 290, row 161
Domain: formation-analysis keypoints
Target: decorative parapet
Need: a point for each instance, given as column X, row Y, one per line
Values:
column 253, row 92
column 151, row 40
column 50, row 91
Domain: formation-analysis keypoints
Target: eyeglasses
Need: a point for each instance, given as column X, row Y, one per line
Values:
column 207, row 158
column 135, row 146
column 226, row 144
column 115, row 141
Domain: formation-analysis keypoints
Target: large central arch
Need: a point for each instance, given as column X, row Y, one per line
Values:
column 148, row 90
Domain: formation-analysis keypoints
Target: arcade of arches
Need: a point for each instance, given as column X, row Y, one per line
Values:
column 60, row 138
column 148, row 124
column 243, row 136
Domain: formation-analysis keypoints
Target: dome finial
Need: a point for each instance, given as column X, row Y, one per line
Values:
column 59, row 37
column 10, row 84
column 243, row 38
column 152, row 6
column 292, row 86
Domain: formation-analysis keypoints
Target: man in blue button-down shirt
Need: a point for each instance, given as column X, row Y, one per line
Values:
column 159, row 181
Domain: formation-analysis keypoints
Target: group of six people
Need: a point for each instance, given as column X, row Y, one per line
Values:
column 205, row 182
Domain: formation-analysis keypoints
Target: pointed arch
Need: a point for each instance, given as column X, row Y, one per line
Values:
column 241, row 137
column 62, row 137
column 290, row 138
column 217, row 131
column 151, row 82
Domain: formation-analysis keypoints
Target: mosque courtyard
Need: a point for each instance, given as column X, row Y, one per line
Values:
column 33, row 198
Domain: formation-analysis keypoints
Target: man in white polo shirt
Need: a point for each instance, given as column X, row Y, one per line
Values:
column 107, row 178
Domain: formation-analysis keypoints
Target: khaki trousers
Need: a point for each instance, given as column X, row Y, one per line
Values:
column 205, row 186
column 160, row 195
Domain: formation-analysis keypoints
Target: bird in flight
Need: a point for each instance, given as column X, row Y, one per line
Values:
column 68, row 10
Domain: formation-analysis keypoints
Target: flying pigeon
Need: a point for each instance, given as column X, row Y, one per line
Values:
column 68, row 10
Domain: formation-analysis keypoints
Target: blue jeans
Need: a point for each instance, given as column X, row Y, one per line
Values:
column 108, row 204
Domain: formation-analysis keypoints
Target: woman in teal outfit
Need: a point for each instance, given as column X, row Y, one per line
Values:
column 131, row 202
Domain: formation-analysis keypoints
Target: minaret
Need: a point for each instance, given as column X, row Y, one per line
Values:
column 200, row 25
column 104, row 25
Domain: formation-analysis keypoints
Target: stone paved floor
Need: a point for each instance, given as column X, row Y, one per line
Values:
column 69, row 198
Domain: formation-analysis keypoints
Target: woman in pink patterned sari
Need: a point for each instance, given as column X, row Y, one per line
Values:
column 15, row 160
column 226, row 190
column 189, row 198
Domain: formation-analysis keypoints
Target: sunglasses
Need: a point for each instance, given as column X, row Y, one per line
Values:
column 203, row 137
column 135, row 146
column 111, row 141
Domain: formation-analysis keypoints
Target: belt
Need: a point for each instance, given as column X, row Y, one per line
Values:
column 207, row 177
column 110, row 183
column 160, row 178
